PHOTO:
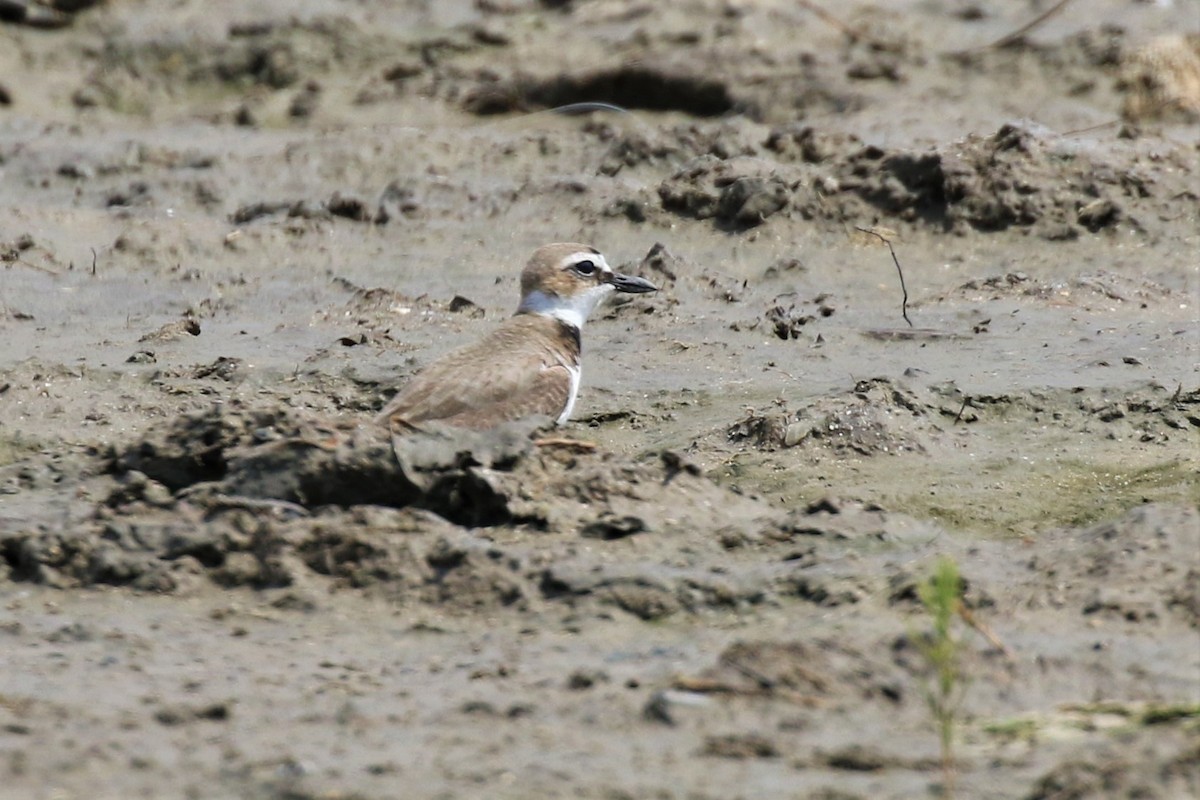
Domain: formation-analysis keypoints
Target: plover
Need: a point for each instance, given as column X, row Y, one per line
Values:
column 528, row 366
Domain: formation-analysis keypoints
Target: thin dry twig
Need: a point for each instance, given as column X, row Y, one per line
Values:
column 781, row 371
column 567, row 444
column 1150, row 113
column 1112, row 123
column 38, row 267
column 765, row 682
column 1020, row 32
column 892, row 250
column 830, row 19
column 966, row 402
column 969, row 617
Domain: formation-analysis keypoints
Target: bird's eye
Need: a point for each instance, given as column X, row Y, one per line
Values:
column 585, row 267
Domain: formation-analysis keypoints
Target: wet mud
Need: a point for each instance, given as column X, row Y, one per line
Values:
column 229, row 233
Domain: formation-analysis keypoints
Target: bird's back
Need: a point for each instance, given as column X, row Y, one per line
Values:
column 528, row 366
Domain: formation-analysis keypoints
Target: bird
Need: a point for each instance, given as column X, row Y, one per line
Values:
column 528, row 366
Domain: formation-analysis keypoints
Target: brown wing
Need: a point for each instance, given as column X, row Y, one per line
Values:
column 513, row 373
column 546, row 396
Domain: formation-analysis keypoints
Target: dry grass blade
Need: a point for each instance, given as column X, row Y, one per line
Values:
column 577, row 445
column 1019, row 33
column 899, row 271
column 985, row 630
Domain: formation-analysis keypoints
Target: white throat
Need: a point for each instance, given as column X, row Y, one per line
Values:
column 573, row 310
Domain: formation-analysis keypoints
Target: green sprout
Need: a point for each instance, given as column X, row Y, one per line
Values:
column 941, row 595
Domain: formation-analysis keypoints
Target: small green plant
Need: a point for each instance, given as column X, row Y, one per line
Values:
column 941, row 594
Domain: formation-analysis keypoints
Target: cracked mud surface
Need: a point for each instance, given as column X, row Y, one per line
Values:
column 228, row 234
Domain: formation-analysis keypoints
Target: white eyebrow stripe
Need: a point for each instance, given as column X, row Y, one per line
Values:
column 595, row 258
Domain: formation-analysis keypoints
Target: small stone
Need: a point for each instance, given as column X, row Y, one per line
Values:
column 348, row 206
column 305, row 103
column 76, row 171
column 156, row 494
column 86, row 96
column 397, row 200
column 243, row 117
column 464, row 305
column 610, row 527
column 794, row 433
column 740, row 746
column 239, row 569
column 142, row 357
column 1099, row 214
column 582, row 679
column 749, row 201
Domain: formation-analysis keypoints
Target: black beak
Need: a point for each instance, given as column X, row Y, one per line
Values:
column 628, row 283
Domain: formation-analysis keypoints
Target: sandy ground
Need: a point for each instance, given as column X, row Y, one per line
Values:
column 231, row 230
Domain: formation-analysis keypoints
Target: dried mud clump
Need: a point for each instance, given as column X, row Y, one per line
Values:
column 786, row 320
column 1008, row 179
column 877, row 417
column 1120, row 773
column 800, row 142
column 271, row 498
column 797, row 670
column 275, row 456
column 673, row 146
column 741, row 192
column 270, row 57
column 1015, row 178
column 1101, row 289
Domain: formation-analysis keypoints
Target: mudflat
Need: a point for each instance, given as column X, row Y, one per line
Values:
column 229, row 232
